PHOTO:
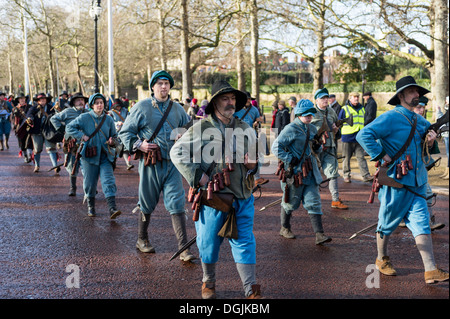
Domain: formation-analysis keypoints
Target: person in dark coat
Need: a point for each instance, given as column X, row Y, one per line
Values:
column 370, row 107
column 283, row 117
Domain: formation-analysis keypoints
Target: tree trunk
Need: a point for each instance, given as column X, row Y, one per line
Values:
column 162, row 41
column 240, row 70
column 11, row 76
column 254, row 49
column 185, row 53
column 441, row 89
column 51, row 71
column 319, row 56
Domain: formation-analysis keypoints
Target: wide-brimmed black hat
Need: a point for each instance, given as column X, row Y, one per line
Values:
column 402, row 84
column 16, row 100
column 76, row 96
column 41, row 96
column 222, row 87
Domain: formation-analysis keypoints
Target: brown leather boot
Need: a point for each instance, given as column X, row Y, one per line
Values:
column 338, row 204
column 434, row 276
column 209, row 290
column 256, row 292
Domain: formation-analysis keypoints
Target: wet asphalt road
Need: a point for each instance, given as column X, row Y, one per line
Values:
column 46, row 238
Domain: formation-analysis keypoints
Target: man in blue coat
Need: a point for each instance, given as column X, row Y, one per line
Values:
column 5, row 123
column 98, row 153
column 160, row 175
column 383, row 139
column 292, row 147
column 76, row 107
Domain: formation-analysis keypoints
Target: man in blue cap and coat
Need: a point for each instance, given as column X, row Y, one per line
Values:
column 144, row 132
column 301, row 172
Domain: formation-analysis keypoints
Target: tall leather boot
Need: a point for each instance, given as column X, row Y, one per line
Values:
column 142, row 243
column 113, row 211
column 6, row 142
column 286, row 224
column 91, row 206
column 316, row 222
column 73, row 186
column 179, row 227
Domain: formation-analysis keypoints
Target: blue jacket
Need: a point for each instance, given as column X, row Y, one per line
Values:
column 291, row 142
column 143, row 120
column 65, row 117
column 85, row 124
column 388, row 133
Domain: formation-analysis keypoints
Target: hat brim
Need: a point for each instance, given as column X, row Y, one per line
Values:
column 321, row 95
column 395, row 100
column 241, row 99
column 307, row 113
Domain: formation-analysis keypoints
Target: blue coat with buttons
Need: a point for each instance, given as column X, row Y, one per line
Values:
column 388, row 133
column 85, row 124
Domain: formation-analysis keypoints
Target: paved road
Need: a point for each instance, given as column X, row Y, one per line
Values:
column 47, row 239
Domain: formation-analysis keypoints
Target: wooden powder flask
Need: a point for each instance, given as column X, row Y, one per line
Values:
column 226, row 177
column 304, row 170
column 191, row 194
column 399, row 171
column 404, row 165
column 153, row 156
column 209, row 191
column 216, row 183
column 409, row 161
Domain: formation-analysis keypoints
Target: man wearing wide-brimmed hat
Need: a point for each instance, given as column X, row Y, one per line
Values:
column 35, row 118
column 222, row 145
column 19, row 116
column 75, row 108
column 159, row 175
column 384, row 139
column 293, row 149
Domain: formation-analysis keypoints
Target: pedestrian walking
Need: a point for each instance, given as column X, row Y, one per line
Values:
column 96, row 133
column 36, row 116
column 325, row 118
column 393, row 138
column 231, row 170
column 300, row 173
column 150, row 131
column 5, row 121
column 20, row 126
column 74, row 108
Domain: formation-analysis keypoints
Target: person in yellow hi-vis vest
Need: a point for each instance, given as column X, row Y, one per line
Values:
column 349, row 144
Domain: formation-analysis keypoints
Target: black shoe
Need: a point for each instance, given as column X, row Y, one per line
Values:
column 73, row 186
column 91, row 206
column 113, row 211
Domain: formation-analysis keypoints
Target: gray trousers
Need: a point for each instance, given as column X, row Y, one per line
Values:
column 348, row 149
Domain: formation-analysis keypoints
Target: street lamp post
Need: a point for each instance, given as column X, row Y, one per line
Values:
column 94, row 12
column 363, row 63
